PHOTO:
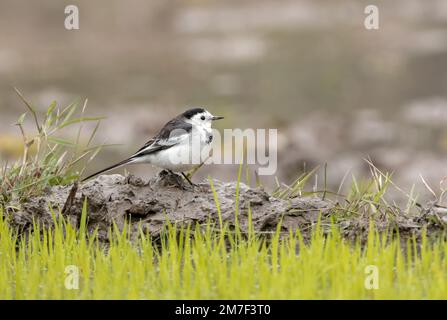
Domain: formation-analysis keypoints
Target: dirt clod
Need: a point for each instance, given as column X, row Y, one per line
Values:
column 150, row 204
column 165, row 197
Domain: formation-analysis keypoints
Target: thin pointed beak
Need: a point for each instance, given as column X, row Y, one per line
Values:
column 216, row 118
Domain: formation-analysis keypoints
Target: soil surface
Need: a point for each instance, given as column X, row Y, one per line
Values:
column 115, row 198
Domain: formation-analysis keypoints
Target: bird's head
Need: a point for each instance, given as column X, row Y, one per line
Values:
column 199, row 117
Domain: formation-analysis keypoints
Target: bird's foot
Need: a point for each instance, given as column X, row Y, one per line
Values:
column 192, row 184
column 170, row 178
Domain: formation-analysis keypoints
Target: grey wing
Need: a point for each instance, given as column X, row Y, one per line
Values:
column 173, row 133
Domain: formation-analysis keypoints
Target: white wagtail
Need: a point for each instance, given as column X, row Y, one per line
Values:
column 173, row 141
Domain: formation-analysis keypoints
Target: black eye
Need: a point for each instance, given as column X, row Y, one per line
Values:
column 202, row 117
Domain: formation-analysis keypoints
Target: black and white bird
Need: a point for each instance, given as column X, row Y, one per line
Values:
column 174, row 141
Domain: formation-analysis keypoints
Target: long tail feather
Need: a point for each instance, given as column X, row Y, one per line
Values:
column 119, row 164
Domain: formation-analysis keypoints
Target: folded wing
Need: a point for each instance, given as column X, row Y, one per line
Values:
column 173, row 133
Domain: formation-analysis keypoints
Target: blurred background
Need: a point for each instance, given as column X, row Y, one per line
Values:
column 336, row 92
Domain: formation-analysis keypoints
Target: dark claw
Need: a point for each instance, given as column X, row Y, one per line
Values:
column 187, row 179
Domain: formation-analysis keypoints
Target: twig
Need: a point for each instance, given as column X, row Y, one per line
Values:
column 325, row 181
column 70, row 198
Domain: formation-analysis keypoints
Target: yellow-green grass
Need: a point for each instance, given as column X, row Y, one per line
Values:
column 213, row 263
column 199, row 262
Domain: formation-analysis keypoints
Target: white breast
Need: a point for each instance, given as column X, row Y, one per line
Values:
column 185, row 155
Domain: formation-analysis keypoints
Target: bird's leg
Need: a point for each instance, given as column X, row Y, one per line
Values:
column 187, row 179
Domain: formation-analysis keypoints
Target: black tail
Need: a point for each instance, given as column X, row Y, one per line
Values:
column 119, row 164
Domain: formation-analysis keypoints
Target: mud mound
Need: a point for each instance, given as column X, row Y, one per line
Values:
column 115, row 198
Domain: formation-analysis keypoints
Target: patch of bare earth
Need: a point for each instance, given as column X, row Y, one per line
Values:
column 150, row 204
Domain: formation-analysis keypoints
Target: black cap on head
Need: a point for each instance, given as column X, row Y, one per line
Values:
column 188, row 114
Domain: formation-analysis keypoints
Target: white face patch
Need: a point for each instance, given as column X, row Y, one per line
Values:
column 203, row 119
